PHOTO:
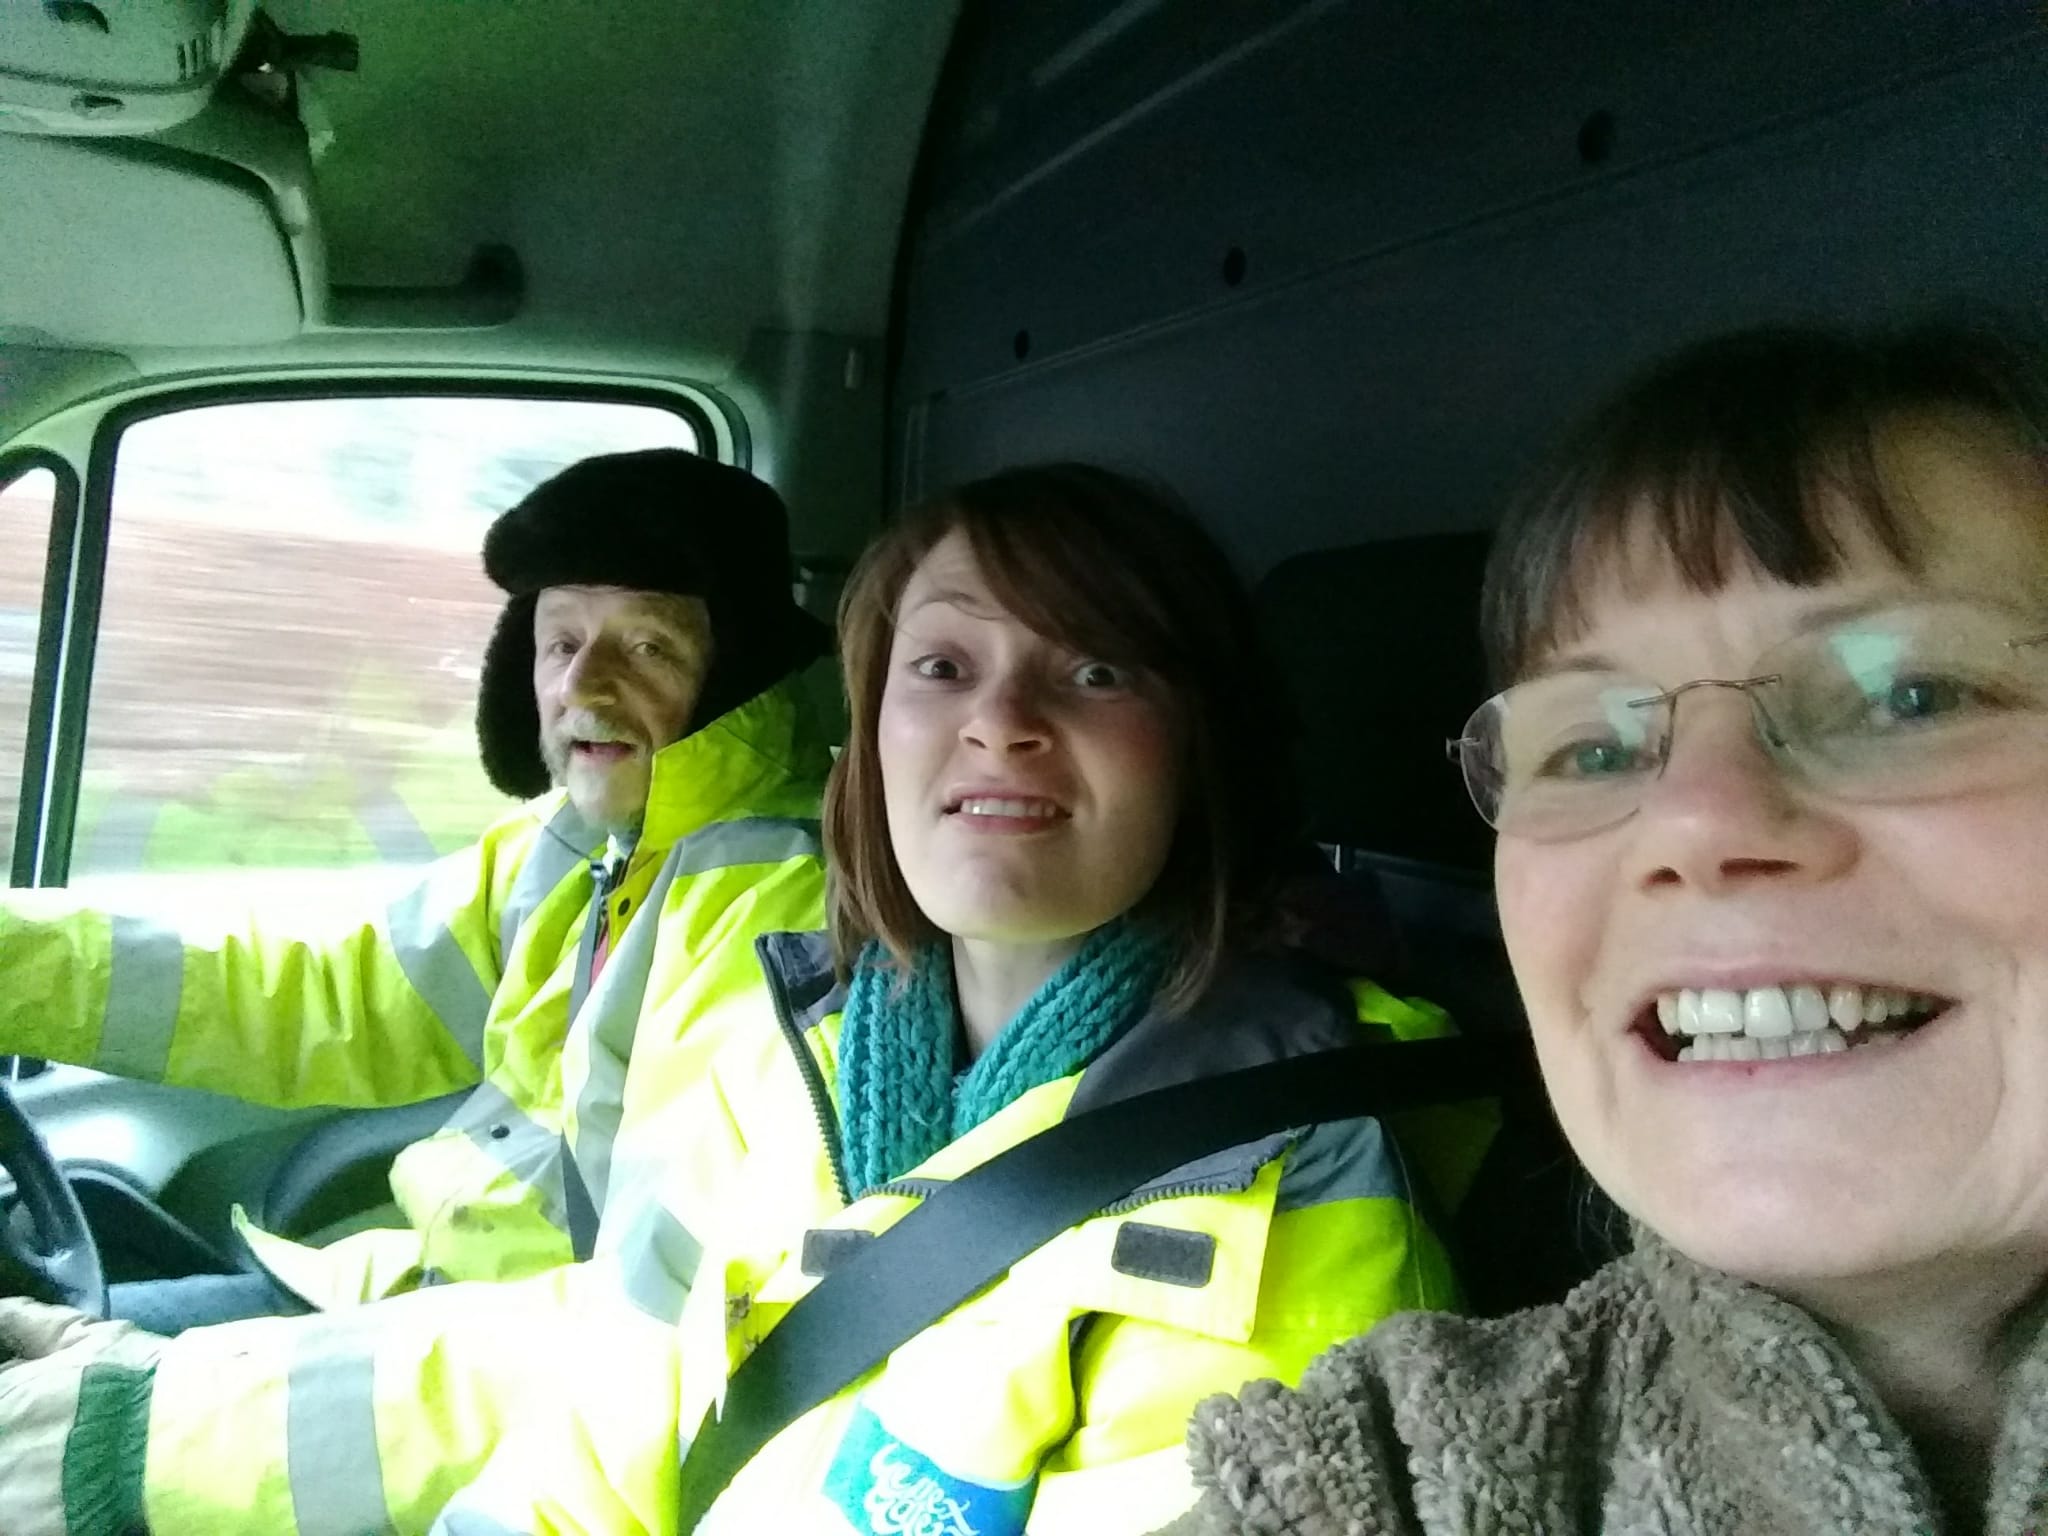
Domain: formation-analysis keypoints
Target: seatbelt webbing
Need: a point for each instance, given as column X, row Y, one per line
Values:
column 968, row 1234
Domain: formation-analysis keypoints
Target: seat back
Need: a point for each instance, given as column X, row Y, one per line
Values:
column 1380, row 647
column 1381, row 650
column 1379, row 644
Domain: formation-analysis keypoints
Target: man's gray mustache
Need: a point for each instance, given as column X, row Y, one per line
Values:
column 587, row 727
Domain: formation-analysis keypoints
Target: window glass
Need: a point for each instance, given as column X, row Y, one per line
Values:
column 28, row 505
column 294, row 619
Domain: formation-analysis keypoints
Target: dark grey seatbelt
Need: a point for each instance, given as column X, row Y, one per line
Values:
column 579, row 1211
column 964, row 1237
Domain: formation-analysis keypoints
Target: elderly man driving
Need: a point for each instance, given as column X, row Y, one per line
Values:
column 642, row 685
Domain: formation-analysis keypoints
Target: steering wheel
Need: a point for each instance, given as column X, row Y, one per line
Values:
column 63, row 1265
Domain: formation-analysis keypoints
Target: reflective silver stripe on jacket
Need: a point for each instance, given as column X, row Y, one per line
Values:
column 509, row 1137
column 335, row 1470
column 756, row 840
column 656, row 1255
column 457, row 1521
column 612, row 1016
column 612, row 1012
column 144, row 984
column 561, row 847
column 439, row 971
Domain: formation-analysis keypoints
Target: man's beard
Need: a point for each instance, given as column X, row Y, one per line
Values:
column 575, row 726
column 557, row 745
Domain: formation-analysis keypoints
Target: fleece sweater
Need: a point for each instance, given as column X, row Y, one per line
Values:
column 1659, row 1397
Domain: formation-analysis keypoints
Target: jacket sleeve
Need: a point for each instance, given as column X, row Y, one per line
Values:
column 385, row 1411
column 600, row 1457
column 370, row 1419
column 389, row 1011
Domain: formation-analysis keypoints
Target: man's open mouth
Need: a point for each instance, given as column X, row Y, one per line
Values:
column 1775, row 1023
column 602, row 751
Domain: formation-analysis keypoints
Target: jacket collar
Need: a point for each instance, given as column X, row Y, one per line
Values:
column 732, row 764
column 800, row 971
column 1258, row 1010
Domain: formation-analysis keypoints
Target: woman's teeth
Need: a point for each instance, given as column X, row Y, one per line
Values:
column 1770, row 1023
column 1038, row 810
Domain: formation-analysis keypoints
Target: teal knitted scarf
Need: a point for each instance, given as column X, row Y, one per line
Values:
column 901, row 1098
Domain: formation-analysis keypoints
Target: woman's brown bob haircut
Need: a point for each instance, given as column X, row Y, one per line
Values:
column 1114, row 570
column 1749, row 451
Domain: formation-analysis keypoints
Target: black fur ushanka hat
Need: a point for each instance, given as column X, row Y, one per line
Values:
column 657, row 521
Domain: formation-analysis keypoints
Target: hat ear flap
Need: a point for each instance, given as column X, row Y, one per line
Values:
column 507, row 719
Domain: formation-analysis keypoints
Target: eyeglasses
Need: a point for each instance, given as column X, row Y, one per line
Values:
column 1915, row 702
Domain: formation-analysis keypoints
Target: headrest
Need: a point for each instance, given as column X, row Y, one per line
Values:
column 1380, row 646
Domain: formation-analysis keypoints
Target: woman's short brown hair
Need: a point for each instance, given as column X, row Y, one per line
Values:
column 1114, row 569
column 1749, row 450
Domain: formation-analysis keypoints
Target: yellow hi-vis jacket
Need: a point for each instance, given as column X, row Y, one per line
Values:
column 1054, row 1401
column 477, row 977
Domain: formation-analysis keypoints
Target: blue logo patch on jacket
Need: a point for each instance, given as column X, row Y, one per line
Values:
column 887, row 1488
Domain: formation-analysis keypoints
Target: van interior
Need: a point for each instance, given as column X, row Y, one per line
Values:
column 295, row 295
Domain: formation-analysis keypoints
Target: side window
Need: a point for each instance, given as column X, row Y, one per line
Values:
column 291, row 631
column 28, row 507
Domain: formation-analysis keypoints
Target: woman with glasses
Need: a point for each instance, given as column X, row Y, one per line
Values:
column 1771, row 787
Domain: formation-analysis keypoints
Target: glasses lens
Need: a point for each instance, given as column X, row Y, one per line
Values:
column 1563, row 755
column 1912, row 702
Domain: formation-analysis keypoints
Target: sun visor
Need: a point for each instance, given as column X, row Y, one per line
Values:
column 104, row 247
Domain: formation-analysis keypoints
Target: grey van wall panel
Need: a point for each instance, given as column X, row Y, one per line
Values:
column 1107, row 196
column 1433, row 276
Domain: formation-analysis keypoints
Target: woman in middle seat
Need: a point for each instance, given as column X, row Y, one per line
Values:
column 1055, row 834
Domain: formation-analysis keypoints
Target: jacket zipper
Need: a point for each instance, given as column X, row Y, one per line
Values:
column 814, row 1079
column 607, row 874
column 924, row 1189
